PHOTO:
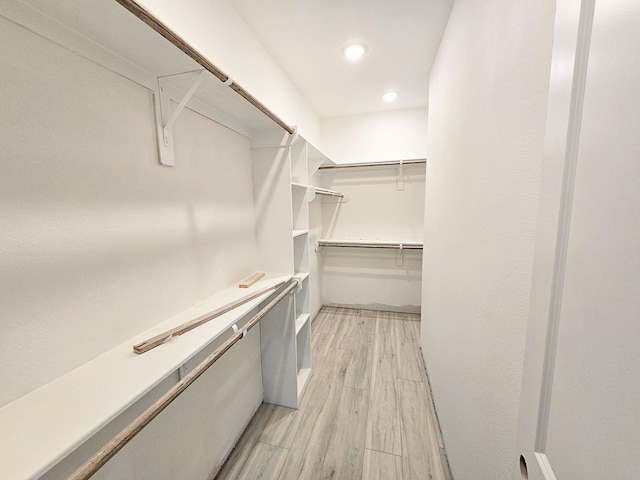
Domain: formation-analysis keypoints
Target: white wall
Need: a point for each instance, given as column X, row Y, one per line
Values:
column 487, row 110
column 374, row 137
column 373, row 209
column 99, row 242
column 217, row 30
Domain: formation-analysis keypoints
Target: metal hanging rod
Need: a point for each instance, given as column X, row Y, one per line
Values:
column 201, row 320
column 328, row 193
column 354, row 244
column 91, row 466
column 416, row 161
column 152, row 21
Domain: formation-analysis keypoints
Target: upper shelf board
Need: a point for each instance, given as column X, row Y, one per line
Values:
column 106, row 33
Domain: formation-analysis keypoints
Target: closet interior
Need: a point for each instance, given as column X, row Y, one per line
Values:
column 148, row 187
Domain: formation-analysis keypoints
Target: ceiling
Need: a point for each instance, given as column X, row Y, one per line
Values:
column 307, row 39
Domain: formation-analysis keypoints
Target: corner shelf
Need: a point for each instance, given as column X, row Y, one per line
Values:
column 301, row 320
column 285, row 168
column 299, row 209
column 301, row 254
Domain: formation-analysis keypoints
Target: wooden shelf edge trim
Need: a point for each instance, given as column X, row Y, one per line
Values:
column 246, row 283
column 147, row 17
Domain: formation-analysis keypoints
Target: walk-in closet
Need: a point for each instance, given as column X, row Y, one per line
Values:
column 274, row 239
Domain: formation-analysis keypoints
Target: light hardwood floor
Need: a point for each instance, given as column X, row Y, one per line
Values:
column 367, row 413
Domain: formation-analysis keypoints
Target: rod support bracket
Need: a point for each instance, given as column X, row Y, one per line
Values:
column 400, row 256
column 165, row 118
column 234, row 327
column 401, row 176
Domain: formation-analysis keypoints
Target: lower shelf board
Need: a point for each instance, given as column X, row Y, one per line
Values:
column 67, row 411
column 303, row 380
column 301, row 321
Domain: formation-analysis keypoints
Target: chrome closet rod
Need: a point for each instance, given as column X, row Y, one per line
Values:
column 390, row 245
column 416, row 161
column 91, row 466
column 329, row 193
column 179, row 42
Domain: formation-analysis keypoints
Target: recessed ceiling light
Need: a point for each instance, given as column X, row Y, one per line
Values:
column 355, row 51
column 390, row 96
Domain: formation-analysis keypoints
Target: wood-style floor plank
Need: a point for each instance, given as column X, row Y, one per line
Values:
column 281, row 429
column 345, row 452
column 277, row 430
column 367, row 412
column 381, row 466
column 346, row 330
column 264, row 463
column 239, row 455
column 383, row 425
column 408, row 356
column 420, row 451
column 307, row 454
column 324, row 322
column 362, row 344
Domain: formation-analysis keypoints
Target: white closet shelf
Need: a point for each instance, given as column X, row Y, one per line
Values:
column 301, row 321
column 327, row 192
column 106, row 33
column 297, row 233
column 317, row 190
column 301, row 276
column 303, row 380
column 44, row 426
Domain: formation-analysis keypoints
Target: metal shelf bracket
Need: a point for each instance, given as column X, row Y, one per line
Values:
column 400, row 256
column 165, row 118
column 401, row 178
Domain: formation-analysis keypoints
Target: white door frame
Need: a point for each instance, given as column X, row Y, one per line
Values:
column 572, row 35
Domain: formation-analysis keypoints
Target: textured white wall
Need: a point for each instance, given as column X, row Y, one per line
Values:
column 487, row 110
column 373, row 137
column 220, row 33
column 99, row 242
column 374, row 210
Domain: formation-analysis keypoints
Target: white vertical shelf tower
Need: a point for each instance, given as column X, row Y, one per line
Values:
column 282, row 194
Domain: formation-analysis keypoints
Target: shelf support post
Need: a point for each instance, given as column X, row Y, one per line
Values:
column 165, row 119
